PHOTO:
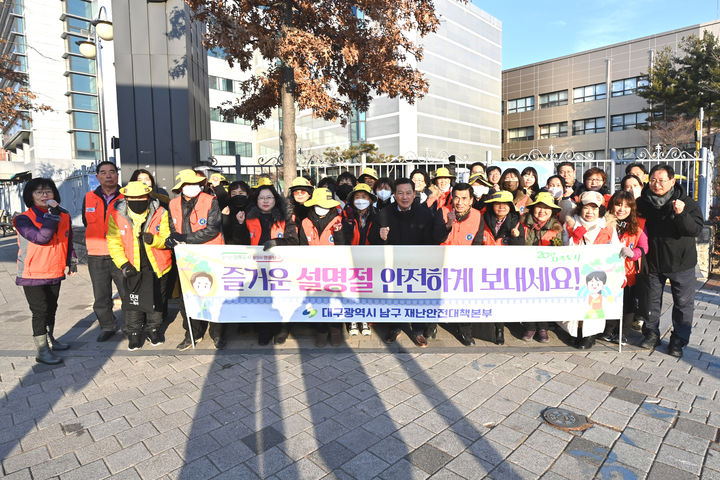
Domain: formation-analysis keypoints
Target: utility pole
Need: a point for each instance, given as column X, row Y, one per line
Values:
column 698, row 146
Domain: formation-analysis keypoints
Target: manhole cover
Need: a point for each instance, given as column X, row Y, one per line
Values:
column 565, row 419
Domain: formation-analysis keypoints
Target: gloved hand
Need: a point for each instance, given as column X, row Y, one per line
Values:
column 174, row 239
column 269, row 244
column 72, row 269
column 626, row 252
column 148, row 238
column 579, row 233
column 128, row 270
column 53, row 207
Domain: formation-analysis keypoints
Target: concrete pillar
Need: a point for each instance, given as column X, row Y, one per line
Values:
column 162, row 87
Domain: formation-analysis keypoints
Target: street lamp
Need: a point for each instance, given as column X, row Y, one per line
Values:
column 101, row 29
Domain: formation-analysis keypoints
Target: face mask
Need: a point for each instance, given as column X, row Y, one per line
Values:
column 138, row 206
column 480, row 190
column 191, row 191
column 510, row 186
column 423, row 197
column 636, row 191
column 361, row 203
column 444, row 189
column 384, row 195
column 556, row 192
column 343, row 191
column 239, row 202
column 321, row 212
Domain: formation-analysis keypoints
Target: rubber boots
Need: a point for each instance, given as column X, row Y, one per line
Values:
column 54, row 343
column 44, row 354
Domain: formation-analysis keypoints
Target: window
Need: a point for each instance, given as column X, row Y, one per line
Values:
column 217, row 52
column 588, row 126
column 216, row 117
column 85, row 121
column 80, row 8
column 18, row 25
column 357, row 128
column 226, row 147
column 595, row 154
column 628, row 86
column 627, row 121
column 72, row 44
column 521, row 105
column 589, row 93
column 75, row 25
column 521, row 134
column 82, row 83
column 554, row 130
column 81, row 64
column 629, row 153
column 86, row 145
column 83, row 102
column 554, row 99
column 219, row 83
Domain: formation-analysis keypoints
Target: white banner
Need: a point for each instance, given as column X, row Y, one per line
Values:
column 234, row 283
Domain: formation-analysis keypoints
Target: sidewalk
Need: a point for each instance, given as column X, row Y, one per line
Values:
column 362, row 411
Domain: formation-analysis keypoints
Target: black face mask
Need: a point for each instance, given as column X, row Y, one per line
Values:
column 343, row 191
column 138, row 206
column 239, row 202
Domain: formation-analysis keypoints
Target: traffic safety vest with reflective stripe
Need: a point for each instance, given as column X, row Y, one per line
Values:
column 489, row 238
column 255, row 228
column 198, row 216
column 162, row 257
column 97, row 217
column 632, row 267
column 463, row 233
column 326, row 238
column 44, row 261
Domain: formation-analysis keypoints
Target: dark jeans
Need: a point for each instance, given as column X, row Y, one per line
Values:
column 137, row 321
column 682, row 287
column 640, row 292
column 199, row 327
column 103, row 273
column 42, row 300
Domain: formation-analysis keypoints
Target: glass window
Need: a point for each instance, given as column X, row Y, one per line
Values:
column 219, row 83
column 86, row 145
column 81, row 64
column 589, row 125
column 589, row 93
column 628, row 86
column 81, row 8
column 521, row 134
column 83, row 102
column 628, row 121
column 72, row 43
column 521, row 105
column 226, row 147
column 82, row 83
column 18, row 25
column 554, row 99
column 554, row 130
column 75, row 25
column 217, row 52
column 85, row 121
column 216, row 117
column 629, row 153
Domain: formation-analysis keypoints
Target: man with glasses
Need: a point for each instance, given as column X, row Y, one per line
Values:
column 96, row 210
column 673, row 221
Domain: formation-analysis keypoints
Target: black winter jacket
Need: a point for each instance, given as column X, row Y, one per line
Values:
column 671, row 238
column 417, row 226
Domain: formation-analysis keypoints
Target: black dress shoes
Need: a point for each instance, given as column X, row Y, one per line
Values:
column 466, row 340
column 586, row 343
column 499, row 335
column 651, row 341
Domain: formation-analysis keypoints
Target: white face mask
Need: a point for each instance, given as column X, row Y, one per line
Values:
column 636, row 191
column 383, row 194
column 556, row 191
column 444, row 189
column 361, row 203
column 423, row 197
column 321, row 212
column 191, row 191
column 480, row 190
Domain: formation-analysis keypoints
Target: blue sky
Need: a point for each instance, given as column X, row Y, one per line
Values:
column 544, row 29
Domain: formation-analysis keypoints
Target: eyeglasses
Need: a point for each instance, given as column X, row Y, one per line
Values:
column 654, row 181
column 40, row 193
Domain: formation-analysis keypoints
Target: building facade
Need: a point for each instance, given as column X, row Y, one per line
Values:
column 587, row 101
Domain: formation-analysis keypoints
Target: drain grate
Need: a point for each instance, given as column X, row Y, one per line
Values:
column 565, row 419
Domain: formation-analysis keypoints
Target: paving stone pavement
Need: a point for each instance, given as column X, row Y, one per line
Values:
column 349, row 413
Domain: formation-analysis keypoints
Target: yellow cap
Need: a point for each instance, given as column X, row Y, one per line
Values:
column 503, row 196
column 263, row 182
column 218, row 177
column 322, row 197
column 187, row 176
column 135, row 189
column 301, row 182
column 370, row 172
column 361, row 187
column 443, row 172
column 544, row 198
column 479, row 177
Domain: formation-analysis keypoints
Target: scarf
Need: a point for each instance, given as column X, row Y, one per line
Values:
column 138, row 220
column 659, row 202
column 586, row 230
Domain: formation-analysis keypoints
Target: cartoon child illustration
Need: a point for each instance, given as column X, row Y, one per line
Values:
column 202, row 284
column 595, row 282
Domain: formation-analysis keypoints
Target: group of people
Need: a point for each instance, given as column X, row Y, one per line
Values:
column 131, row 231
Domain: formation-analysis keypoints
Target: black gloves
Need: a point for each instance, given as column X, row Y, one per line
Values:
column 269, row 244
column 148, row 237
column 72, row 268
column 128, row 270
column 54, row 210
column 174, row 239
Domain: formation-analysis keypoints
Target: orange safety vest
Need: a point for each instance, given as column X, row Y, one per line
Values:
column 522, row 203
column 253, row 225
column 163, row 257
column 44, row 261
column 603, row 238
column 442, row 200
column 632, row 268
column 463, row 233
column 96, row 216
column 198, row 217
column 326, row 238
column 489, row 238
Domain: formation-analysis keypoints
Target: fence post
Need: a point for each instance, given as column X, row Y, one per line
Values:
column 703, row 183
column 613, row 158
